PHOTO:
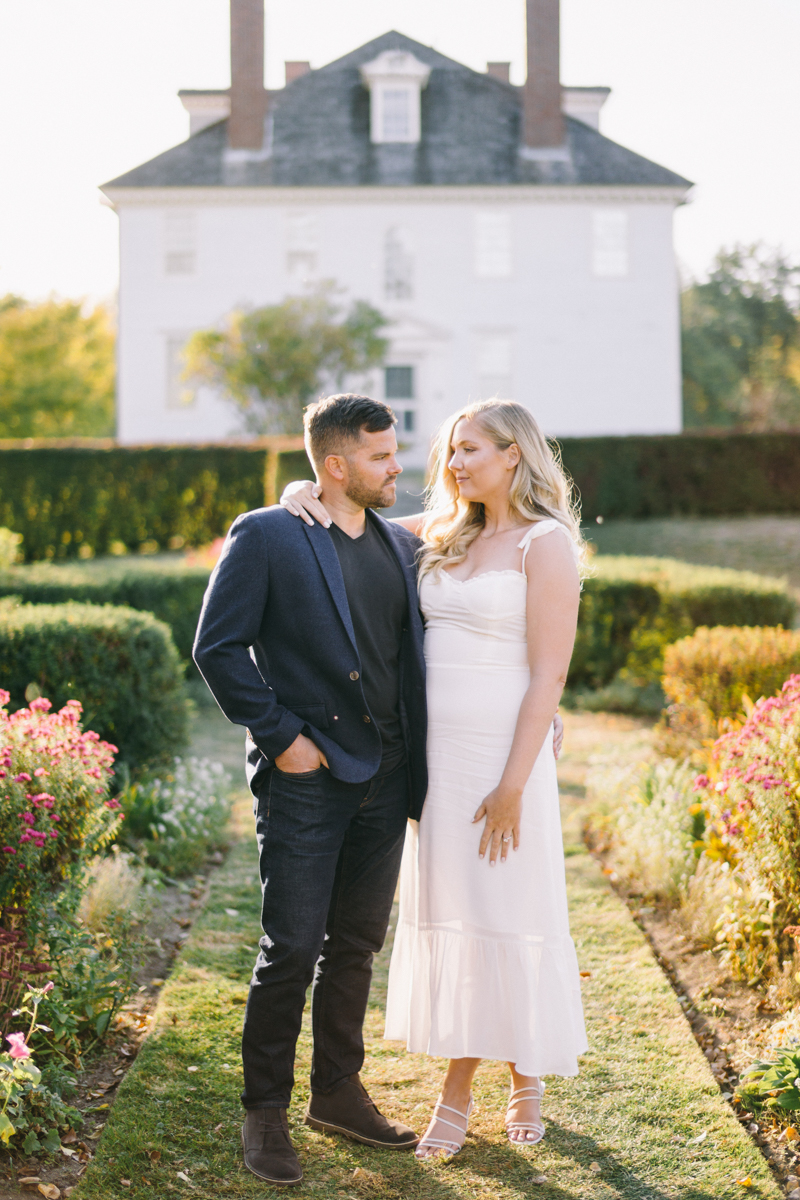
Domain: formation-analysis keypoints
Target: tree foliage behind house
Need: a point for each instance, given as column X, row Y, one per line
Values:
column 272, row 361
column 56, row 369
column 741, row 343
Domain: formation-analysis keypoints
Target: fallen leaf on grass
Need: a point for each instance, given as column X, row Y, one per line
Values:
column 154, row 1156
column 791, row 1134
column 182, row 1175
column 68, row 1152
column 69, row 1137
column 586, row 974
column 746, row 1183
column 539, row 1179
column 157, row 982
column 217, row 1128
column 192, row 1068
column 50, row 1191
column 595, row 1167
column 696, row 1141
column 29, row 1181
column 125, row 1182
column 232, row 912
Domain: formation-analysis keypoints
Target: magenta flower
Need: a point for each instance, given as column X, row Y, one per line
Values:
column 18, row 1047
column 39, row 772
column 9, row 850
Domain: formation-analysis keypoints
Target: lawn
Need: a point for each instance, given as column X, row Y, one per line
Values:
column 767, row 545
column 645, row 1118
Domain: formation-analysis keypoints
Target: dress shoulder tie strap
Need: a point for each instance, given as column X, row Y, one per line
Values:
column 539, row 530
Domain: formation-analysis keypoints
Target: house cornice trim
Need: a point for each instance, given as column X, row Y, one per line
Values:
column 466, row 194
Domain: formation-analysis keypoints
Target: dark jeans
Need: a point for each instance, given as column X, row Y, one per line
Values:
column 329, row 856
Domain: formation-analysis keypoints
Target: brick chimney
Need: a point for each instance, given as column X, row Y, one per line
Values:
column 248, row 94
column 294, row 70
column 544, row 125
column 499, row 70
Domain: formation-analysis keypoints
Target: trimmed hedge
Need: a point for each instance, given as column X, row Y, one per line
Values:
column 632, row 608
column 120, row 664
column 171, row 591
column 64, row 499
column 685, row 474
column 718, row 667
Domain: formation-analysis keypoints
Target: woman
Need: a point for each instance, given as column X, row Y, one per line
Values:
column 483, row 964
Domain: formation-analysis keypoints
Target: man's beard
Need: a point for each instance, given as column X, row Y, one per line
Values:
column 362, row 494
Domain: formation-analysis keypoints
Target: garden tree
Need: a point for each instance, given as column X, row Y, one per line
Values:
column 271, row 361
column 56, row 369
column 741, row 343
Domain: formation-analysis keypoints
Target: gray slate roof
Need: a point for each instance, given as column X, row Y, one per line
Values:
column 470, row 135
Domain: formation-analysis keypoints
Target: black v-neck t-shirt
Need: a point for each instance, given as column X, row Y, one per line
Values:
column 378, row 602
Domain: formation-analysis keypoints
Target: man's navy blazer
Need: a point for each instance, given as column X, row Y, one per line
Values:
column 276, row 646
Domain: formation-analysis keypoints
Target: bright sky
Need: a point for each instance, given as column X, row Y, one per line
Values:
column 710, row 88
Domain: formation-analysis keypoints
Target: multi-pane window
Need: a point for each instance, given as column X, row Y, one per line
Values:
column 398, row 265
column 179, row 393
column 494, row 366
column 399, row 386
column 399, row 383
column 610, row 253
column 396, row 123
column 180, row 243
column 302, row 241
column 492, row 245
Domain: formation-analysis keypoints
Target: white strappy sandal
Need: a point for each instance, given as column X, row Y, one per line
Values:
column 441, row 1148
column 535, row 1127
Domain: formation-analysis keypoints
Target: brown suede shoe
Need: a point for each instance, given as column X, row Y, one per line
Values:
column 350, row 1111
column 268, row 1149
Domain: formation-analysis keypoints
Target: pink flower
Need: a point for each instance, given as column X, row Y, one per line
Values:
column 40, row 705
column 18, row 1047
column 39, row 772
column 702, row 781
column 53, row 833
column 112, row 804
column 23, row 777
column 48, row 987
column 9, row 850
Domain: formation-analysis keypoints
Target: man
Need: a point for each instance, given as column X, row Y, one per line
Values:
column 311, row 638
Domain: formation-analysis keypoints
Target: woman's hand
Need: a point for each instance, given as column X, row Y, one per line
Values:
column 300, row 499
column 502, row 809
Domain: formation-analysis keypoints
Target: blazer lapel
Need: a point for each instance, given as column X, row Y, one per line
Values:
column 328, row 560
column 406, row 555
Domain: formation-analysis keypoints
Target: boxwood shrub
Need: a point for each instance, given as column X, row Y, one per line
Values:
column 633, row 608
column 171, row 591
column 120, row 664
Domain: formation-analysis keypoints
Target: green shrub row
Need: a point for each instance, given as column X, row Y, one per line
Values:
column 171, row 591
column 74, row 501
column 121, row 665
column 685, row 474
column 632, row 608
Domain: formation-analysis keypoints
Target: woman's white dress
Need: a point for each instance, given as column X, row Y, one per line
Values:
column 483, row 964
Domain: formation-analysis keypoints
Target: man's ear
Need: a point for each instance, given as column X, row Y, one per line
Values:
column 335, row 465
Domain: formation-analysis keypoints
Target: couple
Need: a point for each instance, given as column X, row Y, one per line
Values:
column 317, row 636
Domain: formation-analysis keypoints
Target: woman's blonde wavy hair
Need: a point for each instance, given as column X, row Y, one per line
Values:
column 540, row 489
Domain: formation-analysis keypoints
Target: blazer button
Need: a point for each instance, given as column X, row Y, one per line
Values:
column 366, row 719
column 354, row 675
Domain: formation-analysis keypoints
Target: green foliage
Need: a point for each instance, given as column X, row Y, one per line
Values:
column 56, row 369
column 172, row 591
column 120, row 664
column 273, row 360
column 70, row 502
column 689, row 474
column 772, row 1084
column 632, row 608
column 741, row 343
column 177, row 819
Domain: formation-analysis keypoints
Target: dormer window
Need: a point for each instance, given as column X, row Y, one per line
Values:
column 395, row 80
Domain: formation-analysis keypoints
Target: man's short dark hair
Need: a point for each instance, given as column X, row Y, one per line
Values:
column 335, row 423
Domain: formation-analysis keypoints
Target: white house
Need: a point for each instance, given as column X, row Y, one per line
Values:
column 517, row 251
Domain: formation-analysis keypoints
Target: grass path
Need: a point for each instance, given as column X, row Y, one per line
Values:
column 644, row 1119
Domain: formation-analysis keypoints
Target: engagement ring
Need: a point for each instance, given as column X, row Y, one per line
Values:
column 508, row 839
